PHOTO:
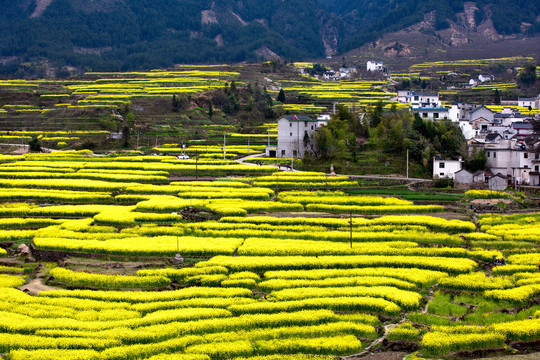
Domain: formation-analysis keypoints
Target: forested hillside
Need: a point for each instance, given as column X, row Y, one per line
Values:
column 118, row 35
column 115, row 35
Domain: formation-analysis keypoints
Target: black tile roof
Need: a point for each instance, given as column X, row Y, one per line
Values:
column 297, row 118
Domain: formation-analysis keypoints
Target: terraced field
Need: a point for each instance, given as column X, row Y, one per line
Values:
column 254, row 264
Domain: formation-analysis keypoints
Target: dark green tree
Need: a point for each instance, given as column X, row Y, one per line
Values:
column 34, row 145
column 126, row 136
column 497, row 97
column 477, row 161
column 175, row 102
column 376, row 115
column 281, row 96
column 527, row 76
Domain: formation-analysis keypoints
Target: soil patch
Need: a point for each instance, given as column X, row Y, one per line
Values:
column 491, row 201
column 35, row 286
column 386, row 355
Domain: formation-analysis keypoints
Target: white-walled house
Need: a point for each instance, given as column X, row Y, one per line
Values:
column 463, row 179
column 508, row 116
column 521, row 128
column 526, row 102
column 425, row 100
column 292, row 131
column 374, row 66
column 404, row 96
column 467, row 130
column 484, row 78
column 511, row 158
column 481, row 112
column 460, row 111
column 446, row 168
column 419, row 99
column 432, row 113
column 498, row 182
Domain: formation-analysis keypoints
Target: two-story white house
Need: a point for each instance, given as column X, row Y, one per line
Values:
column 293, row 132
column 404, row 96
column 419, row 99
column 446, row 168
column 425, row 100
column 427, row 105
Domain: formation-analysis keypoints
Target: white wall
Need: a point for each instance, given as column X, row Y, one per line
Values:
column 527, row 103
column 467, row 129
column 502, row 160
column 291, row 136
column 446, row 168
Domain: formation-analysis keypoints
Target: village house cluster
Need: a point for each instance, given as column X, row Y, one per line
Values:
column 507, row 137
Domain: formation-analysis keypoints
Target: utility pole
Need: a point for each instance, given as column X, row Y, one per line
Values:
column 224, row 144
column 297, row 138
column 350, row 223
column 196, row 165
column 407, row 163
column 277, row 179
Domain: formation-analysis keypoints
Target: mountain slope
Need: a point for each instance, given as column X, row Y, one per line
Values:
column 367, row 20
column 142, row 34
column 132, row 34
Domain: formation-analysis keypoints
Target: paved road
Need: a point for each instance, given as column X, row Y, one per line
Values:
column 372, row 177
column 26, row 147
column 242, row 161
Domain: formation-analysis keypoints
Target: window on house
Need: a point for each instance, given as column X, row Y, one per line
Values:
column 488, row 154
column 441, row 174
column 536, row 168
column 290, row 134
column 494, row 154
column 305, row 123
column 294, row 152
column 290, row 124
column 484, row 127
column 424, row 115
column 526, row 166
column 525, row 155
column 282, row 152
column 311, row 127
column 416, row 98
column 436, row 115
column 441, row 165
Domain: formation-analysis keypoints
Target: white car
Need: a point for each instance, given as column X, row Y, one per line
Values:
column 182, row 157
